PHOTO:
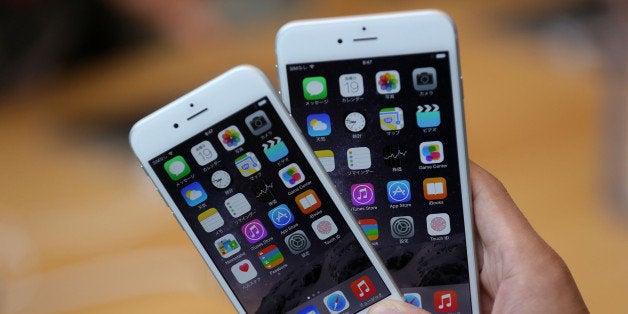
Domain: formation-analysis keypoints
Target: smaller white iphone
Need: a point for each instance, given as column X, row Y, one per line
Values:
column 244, row 185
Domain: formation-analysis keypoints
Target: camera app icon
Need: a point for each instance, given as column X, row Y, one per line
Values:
column 424, row 79
column 258, row 122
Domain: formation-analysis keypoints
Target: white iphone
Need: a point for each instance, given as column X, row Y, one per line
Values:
column 241, row 180
column 379, row 98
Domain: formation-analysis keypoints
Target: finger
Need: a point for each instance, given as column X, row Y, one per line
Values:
column 395, row 307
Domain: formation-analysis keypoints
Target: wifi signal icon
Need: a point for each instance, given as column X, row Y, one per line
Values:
column 395, row 155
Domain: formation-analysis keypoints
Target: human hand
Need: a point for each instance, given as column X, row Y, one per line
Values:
column 518, row 271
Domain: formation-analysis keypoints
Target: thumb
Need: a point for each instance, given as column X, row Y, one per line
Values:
column 395, row 307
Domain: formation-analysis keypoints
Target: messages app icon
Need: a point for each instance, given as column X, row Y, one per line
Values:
column 177, row 168
column 314, row 88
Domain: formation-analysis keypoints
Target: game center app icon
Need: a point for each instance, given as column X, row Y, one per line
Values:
column 445, row 301
column 177, row 168
column 318, row 124
column 243, row 271
column 336, row 302
column 231, row 138
column 194, row 194
column 314, row 88
column 363, row 288
column 388, row 82
column 431, row 152
column 227, row 245
column 291, row 175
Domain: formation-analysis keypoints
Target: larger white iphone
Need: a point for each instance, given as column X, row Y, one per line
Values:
column 380, row 100
column 244, row 185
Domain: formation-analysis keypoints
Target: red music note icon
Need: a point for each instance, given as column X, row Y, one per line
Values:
column 445, row 301
column 363, row 288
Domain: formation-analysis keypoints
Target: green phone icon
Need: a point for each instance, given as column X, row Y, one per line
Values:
column 314, row 88
column 177, row 168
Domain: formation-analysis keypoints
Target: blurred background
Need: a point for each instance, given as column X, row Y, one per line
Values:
column 83, row 230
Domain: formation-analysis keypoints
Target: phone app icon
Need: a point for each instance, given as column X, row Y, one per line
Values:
column 324, row 227
column 391, row 119
column 431, row 152
column 326, row 157
column 177, row 168
column 413, row 298
column 194, row 194
column 291, row 175
column 438, row 224
column 275, row 149
column 362, row 194
column 336, row 302
column 297, row 242
column 318, row 124
column 402, row 227
column 227, row 245
column 270, row 256
column 369, row 226
column 428, row 116
column 243, row 271
column 210, row 220
column 398, row 191
column 237, row 205
column 445, row 301
column 363, row 288
column 204, row 153
column 258, row 122
column 310, row 309
column 435, row 188
column 359, row 158
column 308, row 201
column 351, row 85
column 231, row 138
column 281, row 216
column 314, row 88
column 254, row 231
column 221, row 179
column 248, row 164
column 424, row 79
column 387, row 82
column 263, row 190
column 394, row 155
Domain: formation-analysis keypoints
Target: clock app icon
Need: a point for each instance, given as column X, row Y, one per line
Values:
column 355, row 122
column 221, row 179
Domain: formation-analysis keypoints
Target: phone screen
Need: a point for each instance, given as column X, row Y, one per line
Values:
column 265, row 220
column 384, row 130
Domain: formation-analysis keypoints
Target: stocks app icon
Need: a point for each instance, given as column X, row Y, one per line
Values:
column 263, row 190
column 395, row 155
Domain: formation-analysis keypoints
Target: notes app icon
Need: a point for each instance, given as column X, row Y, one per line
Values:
column 326, row 157
column 210, row 220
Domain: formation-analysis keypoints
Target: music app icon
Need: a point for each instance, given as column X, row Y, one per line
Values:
column 363, row 288
column 254, row 231
column 445, row 301
column 362, row 194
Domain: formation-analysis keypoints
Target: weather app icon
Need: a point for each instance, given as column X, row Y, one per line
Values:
column 194, row 194
column 318, row 124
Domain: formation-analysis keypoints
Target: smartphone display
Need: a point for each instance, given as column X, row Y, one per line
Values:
column 387, row 129
column 263, row 219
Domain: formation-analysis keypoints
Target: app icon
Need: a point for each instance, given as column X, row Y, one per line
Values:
column 258, row 122
column 254, row 231
column 394, row 155
column 314, row 88
column 318, row 124
column 428, row 116
column 324, row 227
column 291, row 175
column 227, row 245
column 243, row 271
column 369, row 226
column 310, row 309
column 281, row 216
column 326, row 157
column 297, row 242
column 194, row 194
column 387, row 82
column 237, row 205
column 264, row 190
column 210, row 220
column 308, row 201
column 391, row 119
column 336, row 302
column 438, row 224
column 445, row 301
column 359, row 158
column 270, row 256
column 351, row 85
column 398, row 191
column 204, row 153
column 231, row 138
column 413, row 298
column 355, row 121
column 434, row 188
column 362, row 194
column 363, row 288
column 424, row 79
column 221, row 179
column 432, row 152
column 248, row 164
column 275, row 149
column 402, row 227
column 177, row 168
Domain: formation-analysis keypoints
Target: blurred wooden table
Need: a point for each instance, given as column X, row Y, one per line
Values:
column 82, row 229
